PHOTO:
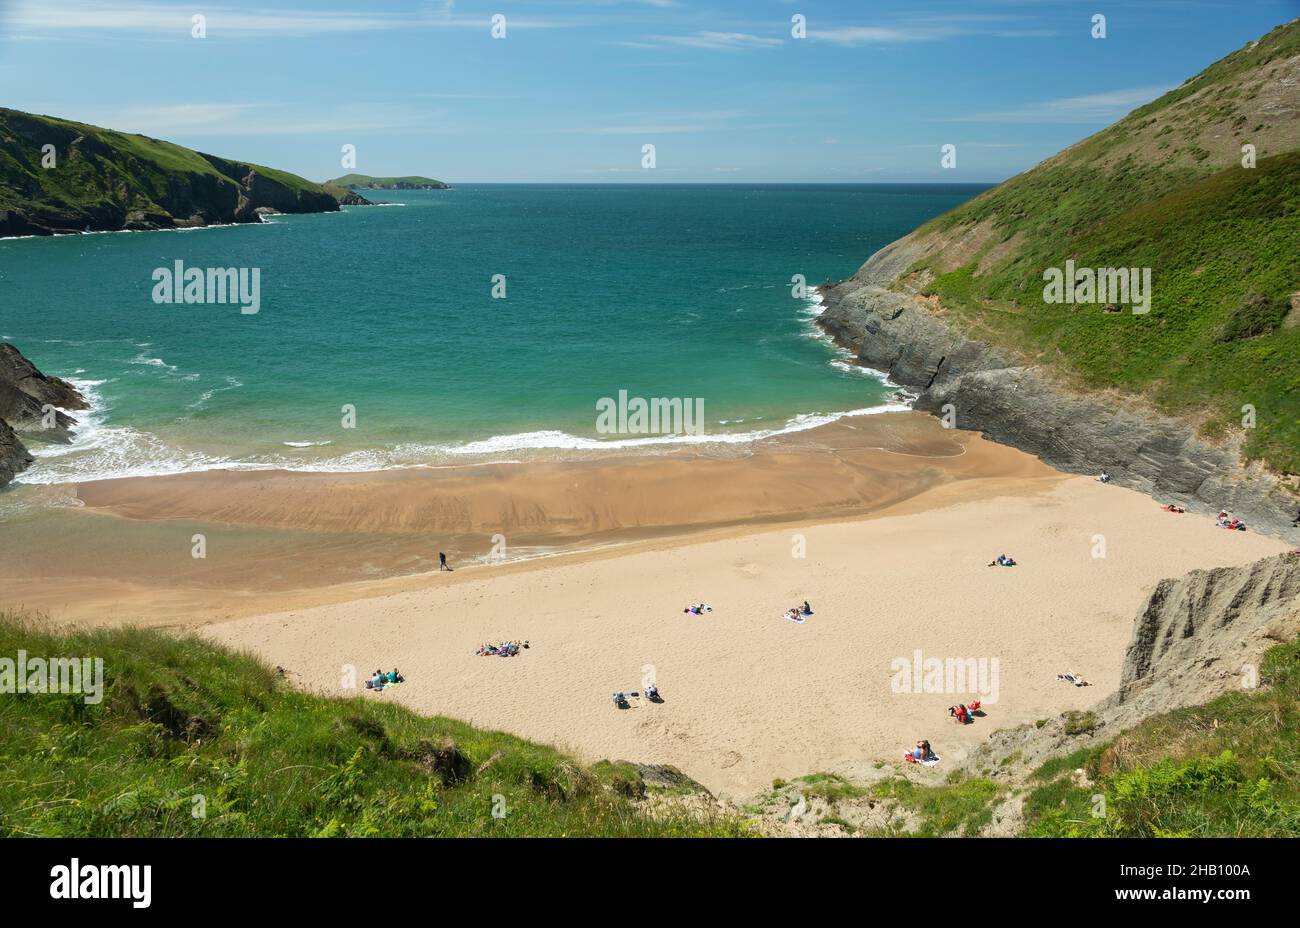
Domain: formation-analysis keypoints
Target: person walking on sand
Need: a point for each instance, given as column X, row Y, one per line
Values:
column 442, row 562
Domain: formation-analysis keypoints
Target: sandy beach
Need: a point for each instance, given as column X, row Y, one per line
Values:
column 885, row 523
column 750, row 696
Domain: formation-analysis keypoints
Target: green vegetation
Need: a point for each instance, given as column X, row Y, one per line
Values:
column 1226, row 769
column 962, row 806
column 1223, row 243
column 366, row 182
column 829, row 786
column 103, row 178
column 181, row 718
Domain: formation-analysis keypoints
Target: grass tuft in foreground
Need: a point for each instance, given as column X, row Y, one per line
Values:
column 187, row 727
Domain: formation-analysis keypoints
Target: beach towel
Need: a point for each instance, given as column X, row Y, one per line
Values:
column 798, row 619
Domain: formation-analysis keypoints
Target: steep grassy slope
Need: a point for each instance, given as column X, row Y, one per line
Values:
column 108, row 180
column 182, row 718
column 1163, row 188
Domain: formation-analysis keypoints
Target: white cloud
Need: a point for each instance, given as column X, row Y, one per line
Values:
column 138, row 17
column 926, row 29
column 170, row 121
column 1090, row 108
column 717, row 41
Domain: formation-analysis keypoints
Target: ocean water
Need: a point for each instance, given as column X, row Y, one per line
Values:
column 660, row 291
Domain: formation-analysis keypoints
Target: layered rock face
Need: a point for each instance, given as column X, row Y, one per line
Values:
column 992, row 391
column 1201, row 634
column 31, row 401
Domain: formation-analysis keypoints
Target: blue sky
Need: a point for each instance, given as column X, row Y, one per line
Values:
column 575, row 89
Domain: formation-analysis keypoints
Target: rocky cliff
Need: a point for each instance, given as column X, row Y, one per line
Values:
column 889, row 325
column 32, row 402
column 58, row 176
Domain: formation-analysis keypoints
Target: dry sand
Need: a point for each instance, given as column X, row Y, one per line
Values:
column 899, row 517
column 750, row 696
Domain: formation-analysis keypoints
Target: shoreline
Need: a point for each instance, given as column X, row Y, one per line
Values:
column 271, row 535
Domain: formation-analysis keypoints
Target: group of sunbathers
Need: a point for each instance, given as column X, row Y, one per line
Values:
column 1229, row 521
column 381, row 679
column 795, row 614
column 965, row 714
column 505, row 649
column 1002, row 561
column 651, row 693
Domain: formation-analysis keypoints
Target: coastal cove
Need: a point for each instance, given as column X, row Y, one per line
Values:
column 679, row 292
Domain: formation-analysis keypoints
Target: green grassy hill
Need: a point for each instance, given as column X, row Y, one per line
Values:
column 107, row 180
column 366, row 182
column 1162, row 188
column 181, row 718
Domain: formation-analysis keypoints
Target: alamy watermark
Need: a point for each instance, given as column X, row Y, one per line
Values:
column 1106, row 285
column 655, row 416
column 241, row 286
column 948, row 675
column 40, row 675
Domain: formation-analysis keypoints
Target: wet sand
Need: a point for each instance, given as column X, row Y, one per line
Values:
column 121, row 550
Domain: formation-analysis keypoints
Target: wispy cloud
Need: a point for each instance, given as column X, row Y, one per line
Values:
column 140, row 18
column 714, row 41
column 1091, row 108
column 228, row 119
column 927, row 29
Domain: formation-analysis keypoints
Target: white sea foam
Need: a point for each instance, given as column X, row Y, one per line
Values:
column 102, row 452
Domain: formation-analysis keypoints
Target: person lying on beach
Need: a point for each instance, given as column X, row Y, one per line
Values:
column 505, row 649
column 793, row 614
column 960, row 713
column 1170, row 507
column 698, row 610
column 921, row 752
column 1103, row 477
column 1071, row 677
column 1002, row 561
column 973, row 708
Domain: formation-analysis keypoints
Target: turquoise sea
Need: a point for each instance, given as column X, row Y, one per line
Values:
column 661, row 291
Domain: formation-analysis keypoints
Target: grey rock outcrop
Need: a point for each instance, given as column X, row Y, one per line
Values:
column 893, row 329
column 31, row 401
column 1201, row 634
column 14, row 457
